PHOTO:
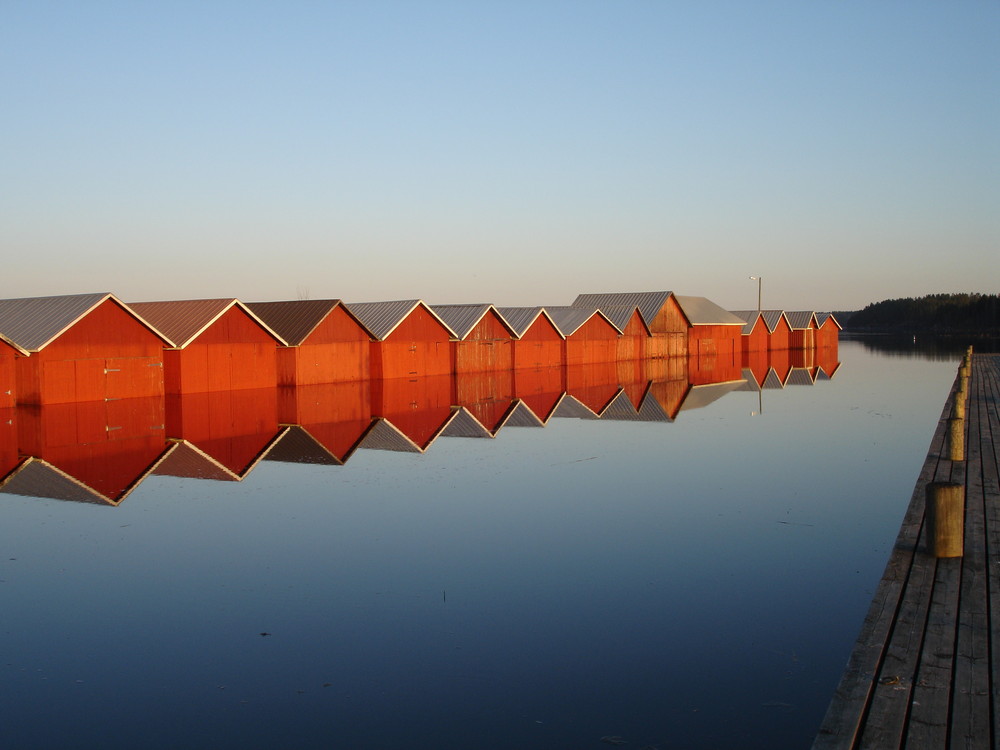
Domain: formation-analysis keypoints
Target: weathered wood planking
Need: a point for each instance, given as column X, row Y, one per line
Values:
column 922, row 671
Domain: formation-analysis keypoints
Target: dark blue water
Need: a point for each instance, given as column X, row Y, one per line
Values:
column 694, row 584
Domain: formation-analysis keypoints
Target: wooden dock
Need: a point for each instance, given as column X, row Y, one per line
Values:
column 925, row 671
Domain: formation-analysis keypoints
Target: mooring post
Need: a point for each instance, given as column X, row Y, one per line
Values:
column 946, row 518
column 958, row 408
column 956, row 439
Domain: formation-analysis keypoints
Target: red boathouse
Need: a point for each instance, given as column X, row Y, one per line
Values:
column 410, row 339
column 539, row 342
column 326, row 343
column 215, row 345
column 661, row 313
column 485, row 340
column 590, row 335
column 81, row 347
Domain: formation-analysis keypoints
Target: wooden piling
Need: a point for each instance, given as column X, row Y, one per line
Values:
column 946, row 517
column 956, row 439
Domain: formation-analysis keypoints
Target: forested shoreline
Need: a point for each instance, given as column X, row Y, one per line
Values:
column 934, row 313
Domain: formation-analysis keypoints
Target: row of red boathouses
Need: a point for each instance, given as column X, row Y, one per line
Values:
column 88, row 347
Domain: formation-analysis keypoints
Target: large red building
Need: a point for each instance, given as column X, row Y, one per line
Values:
column 539, row 342
column 485, row 341
column 660, row 312
column 80, row 347
column 409, row 338
column 714, row 347
column 9, row 351
column 214, row 345
column 590, row 336
column 325, row 342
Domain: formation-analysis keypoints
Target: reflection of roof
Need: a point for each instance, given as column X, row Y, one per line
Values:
column 463, row 318
column 295, row 320
column 297, row 446
column 649, row 303
column 571, row 408
column 382, row 318
column 187, row 460
column 799, row 319
column 522, row 416
column 700, row 396
column 621, row 409
column 569, row 319
column 182, row 321
column 385, row 436
column 465, row 425
column 522, row 318
column 32, row 323
column 701, row 311
column 772, row 381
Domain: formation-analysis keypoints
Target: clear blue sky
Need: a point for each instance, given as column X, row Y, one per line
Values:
column 508, row 152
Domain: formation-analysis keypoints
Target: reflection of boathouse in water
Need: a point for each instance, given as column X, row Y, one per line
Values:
column 99, row 451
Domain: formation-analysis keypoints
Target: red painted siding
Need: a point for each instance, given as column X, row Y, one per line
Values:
column 9, row 457
column 234, row 353
column 715, row 354
column 668, row 332
column 540, row 388
column 828, row 335
column 418, row 346
column 758, row 339
column 8, row 378
column 781, row 336
column 106, row 354
column 337, row 351
column 337, row 415
column 593, row 342
column 489, row 346
column 487, row 395
column 594, row 385
column 540, row 346
column 418, row 407
column 632, row 343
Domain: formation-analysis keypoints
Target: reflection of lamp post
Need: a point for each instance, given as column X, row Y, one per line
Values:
column 758, row 279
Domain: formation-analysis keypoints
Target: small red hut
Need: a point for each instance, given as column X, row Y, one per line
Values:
column 215, row 345
column 803, row 324
column 828, row 330
column 81, row 347
column 485, row 340
column 410, row 339
column 325, row 342
column 660, row 312
column 590, row 335
column 539, row 342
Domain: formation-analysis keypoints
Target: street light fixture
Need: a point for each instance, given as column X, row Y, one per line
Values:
column 758, row 279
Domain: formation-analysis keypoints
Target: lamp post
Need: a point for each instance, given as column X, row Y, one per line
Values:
column 758, row 279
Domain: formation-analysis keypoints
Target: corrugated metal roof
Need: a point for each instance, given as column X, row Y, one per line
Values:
column 822, row 317
column 465, row 425
column 38, row 478
column 463, row 318
column 651, row 410
column 295, row 320
column 182, row 321
column 772, row 381
column 799, row 376
column 297, row 446
column 569, row 319
column 522, row 416
column 700, row 396
column 620, row 409
column 750, row 316
column 32, row 323
column 521, row 319
column 800, row 319
column 385, row 436
column 382, row 318
column 188, row 461
column 701, row 311
column 620, row 315
column 570, row 408
column 649, row 303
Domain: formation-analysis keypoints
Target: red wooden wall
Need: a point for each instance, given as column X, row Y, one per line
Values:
column 758, row 339
column 233, row 353
column 632, row 342
column 338, row 350
column 9, row 456
column 540, row 346
column 487, row 395
column 781, row 337
column 489, row 346
column 8, row 377
column 802, row 338
column 418, row 346
column 595, row 341
column 715, row 354
column 337, row 415
column 540, row 388
column 419, row 407
column 107, row 354
column 668, row 332
column 594, row 385
column 828, row 335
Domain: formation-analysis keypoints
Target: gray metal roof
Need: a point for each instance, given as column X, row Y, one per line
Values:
column 701, row 311
column 463, row 318
column 700, row 396
column 651, row 410
column 620, row 315
column 750, row 316
column 186, row 460
column 297, row 446
column 38, row 478
column 649, row 303
column 569, row 319
column 822, row 317
column 521, row 319
column 385, row 436
column 522, row 416
column 621, row 409
column 571, row 408
column 799, row 376
column 800, row 319
column 465, row 425
column 182, row 321
column 382, row 318
column 772, row 381
column 32, row 323
column 295, row 320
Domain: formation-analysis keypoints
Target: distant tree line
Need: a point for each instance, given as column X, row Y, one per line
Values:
column 941, row 313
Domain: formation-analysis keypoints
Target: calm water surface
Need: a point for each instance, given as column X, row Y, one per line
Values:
column 694, row 584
